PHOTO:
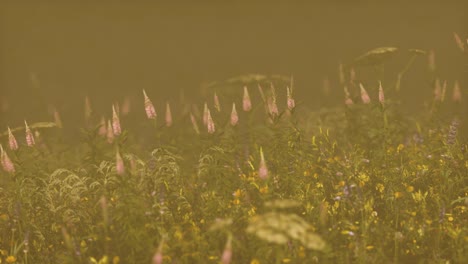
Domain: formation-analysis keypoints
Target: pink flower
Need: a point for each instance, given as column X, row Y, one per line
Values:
column 29, row 135
column 119, row 164
column 234, row 115
column 194, row 123
column 157, row 258
column 116, row 122
column 272, row 106
column 381, row 94
column 7, row 164
column 246, row 103
column 364, row 95
column 217, row 105
column 168, row 115
column 456, row 95
column 110, row 133
column 210, row 124
column 149, row 107
column 205, row 114
column 291, row 103
column 227, row 253
column 262, row 170
column 12, row 140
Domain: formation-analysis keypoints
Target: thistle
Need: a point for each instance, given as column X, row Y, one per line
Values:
column 119, row 164
column 234, row 115
column 246, row 102
column 7, row 164
column 290, row 100
column 364, row 95
column 115, row 122
column 194, row 123
column 168, row 115
column 209, row 123
column 456, row 95
column 262, row 170
column 217, row 105
column 381, row 94
column 29, row 135
column 12, row 140
column 149, row 107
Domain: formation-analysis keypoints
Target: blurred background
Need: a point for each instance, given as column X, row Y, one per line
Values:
column 53, row 54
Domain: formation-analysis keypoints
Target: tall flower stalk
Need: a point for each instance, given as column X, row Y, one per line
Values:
column 116, row 122
column 29, row 135
column 12, row 140
column 149, row 107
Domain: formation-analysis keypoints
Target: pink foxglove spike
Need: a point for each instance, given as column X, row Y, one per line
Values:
column 226, row 258
column 119, row 164
column 364, row 95
column 234, row 115
column 29, row 135
column 116, row 122
column 290, row 101
column 246, row 102
column 149, row 107
column 102, row 127
column 456, row 95
column 210, row 124
column 348, row 100
column 168, row 115
column 459, row 42
column 381, row 94
column 262, row 169
column 110, row 133
column 217, row 105
column 12, row 140
column 194, row 123
column 7, row 164
column 205, row 114
column 272, row 106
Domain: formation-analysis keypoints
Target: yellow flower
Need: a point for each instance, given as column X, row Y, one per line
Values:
column 398, row 195
column 254, row 261
column 409, row 188
column 400, row 147
column 116, row 260
column 264, row 189
column 370, row 247
column 236, row 202
column 286, row 260
column 11, row 259
column 237, row 193
column 380, row 187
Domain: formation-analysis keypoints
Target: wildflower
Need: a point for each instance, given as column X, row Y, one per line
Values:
column 149, row 107
column 246, row 103
column 110, row 133
column 12, row 140
column 194, row 123
column 364, row 95
column 291, row 102
column 227, row 253
column 115, row 122
column 459, row 42
column 7, row 165
column 456, row 95
column 216, row 102
column 205, row 114
column 209, row 123
column 29, row 135
column 119, row 164
column 262, row 170
column 381, row 94
column 272, row 106
column 102, row 127
column 168, row 115
column 234, row 116
column 348, row 100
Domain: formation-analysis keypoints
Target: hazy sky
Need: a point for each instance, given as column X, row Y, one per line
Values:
column 107, row 51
